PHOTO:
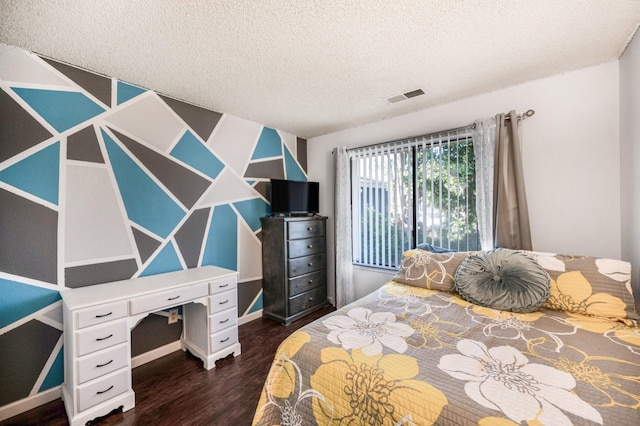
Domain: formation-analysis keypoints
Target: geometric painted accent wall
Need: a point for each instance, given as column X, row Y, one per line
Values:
column 102, row 180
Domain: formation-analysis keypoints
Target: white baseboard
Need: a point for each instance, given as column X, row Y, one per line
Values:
column 29, row 403
column 155, row 354
column 250, row 317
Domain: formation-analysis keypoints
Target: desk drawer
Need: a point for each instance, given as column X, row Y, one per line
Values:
column 103, row 362
column 307, row 282
column 223, row 320
column 304, row 265
column 224, row 284
column 306, row 247
column 100, row 390
column 305, row 229
column 102, row 313
column 307, row 300
column 223, row 339
column 222, row 301
column 179, row 296
column 100, row 337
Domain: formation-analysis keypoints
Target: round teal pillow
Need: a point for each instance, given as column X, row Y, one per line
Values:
column 503, row 279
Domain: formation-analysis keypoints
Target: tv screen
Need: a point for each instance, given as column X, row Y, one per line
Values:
column 294, row 197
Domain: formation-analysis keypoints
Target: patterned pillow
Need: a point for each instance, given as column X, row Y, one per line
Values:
column 435, row 271
column 503, row 279
column 589, row 285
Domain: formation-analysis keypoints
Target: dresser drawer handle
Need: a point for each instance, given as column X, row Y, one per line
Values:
column 311, row 299
column 222, row 303
column 223, row 286
column 310, row 281
column 310, row 264
column 224, row 340
column 174, row 298
column 310, row 229
column 310, row 246
column 104, row 315
column 104, row 391
column 104, row 365
column 98, row 339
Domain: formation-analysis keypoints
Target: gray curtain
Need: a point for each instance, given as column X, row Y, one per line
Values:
column 510, row 213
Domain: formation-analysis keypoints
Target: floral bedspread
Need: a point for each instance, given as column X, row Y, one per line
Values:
column 410, row 356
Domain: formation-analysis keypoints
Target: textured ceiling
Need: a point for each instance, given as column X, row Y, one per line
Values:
column 314, row 67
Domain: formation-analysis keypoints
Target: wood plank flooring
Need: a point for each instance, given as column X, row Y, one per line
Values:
column 176, row 390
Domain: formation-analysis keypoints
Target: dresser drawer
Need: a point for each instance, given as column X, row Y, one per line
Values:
column 224, row 284
column 307, row 300
column 179, row 296
column 224, row 338
column 306, row 247
column 223, row 319
column 102, row 313
column 221, row 301
column 307, row 282
column 305, row 229
column 100, row 337
column 305, row 265
column 100, row 390
column 102, row 362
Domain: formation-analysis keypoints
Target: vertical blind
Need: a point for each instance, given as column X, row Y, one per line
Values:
column 414, row 191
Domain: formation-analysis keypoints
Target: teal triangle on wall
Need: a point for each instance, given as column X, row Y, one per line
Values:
column 269, row 145
column 127, row 91
column 165, row 261
column 222, row 241
column 20, row 300
column 55, row 376
column 252, row 211
column 257, row 305
column 293, row 170
column 62, row 110
column 38, row 174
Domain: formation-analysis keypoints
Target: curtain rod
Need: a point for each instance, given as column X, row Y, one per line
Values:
column 471, row 126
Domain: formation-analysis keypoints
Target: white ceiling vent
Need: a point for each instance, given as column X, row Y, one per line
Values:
column 403, row 97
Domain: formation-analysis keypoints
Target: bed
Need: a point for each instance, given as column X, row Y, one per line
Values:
column 415, row 352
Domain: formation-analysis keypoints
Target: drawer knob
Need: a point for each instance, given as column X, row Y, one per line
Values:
column 224, row 340
column 104, row 365
column 310, row 281
column 310, row 246
column 98, row 339
column 222, row 322
column 310, row 264
column 104, row 315
column 310, row 228
column 311, row 299
column 104, row 391
column 174, row 298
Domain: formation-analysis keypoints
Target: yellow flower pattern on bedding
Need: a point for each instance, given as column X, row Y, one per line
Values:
column 373, row 390
column 406, row 355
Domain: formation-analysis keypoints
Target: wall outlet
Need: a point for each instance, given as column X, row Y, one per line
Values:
column 173, row 316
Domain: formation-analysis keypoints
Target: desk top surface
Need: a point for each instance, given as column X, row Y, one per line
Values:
column 82, row 297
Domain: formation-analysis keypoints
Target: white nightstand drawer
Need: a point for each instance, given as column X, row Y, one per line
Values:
column 103, row 362
column 100, row 390
column 223, row 320
column 224, row 338
column 222, row 301
column 222, row 284
column 179, row 296
column 101, row 313
column 100, row 337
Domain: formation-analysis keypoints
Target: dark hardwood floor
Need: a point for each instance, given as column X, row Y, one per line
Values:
column 176, row 390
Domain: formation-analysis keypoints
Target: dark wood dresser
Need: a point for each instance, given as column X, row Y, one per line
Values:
column 294, row 266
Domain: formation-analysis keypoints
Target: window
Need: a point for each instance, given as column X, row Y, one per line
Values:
column 411, row 192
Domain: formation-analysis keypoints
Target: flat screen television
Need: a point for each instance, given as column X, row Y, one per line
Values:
column 291, row 197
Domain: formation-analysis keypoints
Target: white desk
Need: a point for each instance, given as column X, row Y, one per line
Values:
column 98, row 320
